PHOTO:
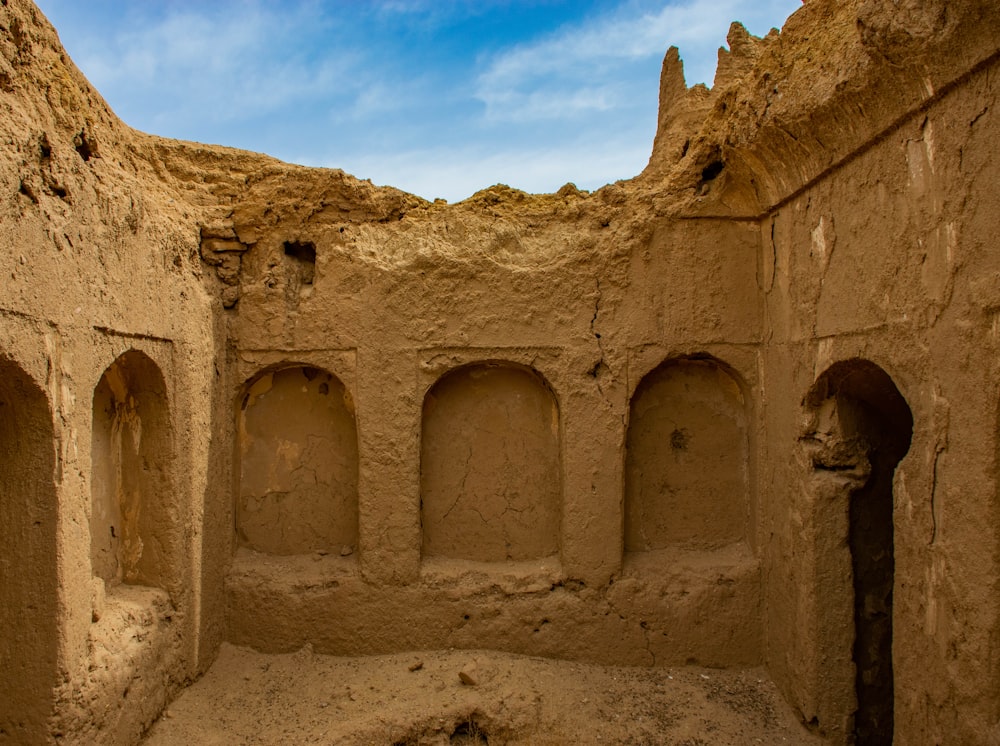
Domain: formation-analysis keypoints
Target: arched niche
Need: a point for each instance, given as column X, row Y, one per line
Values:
column 28, row 573
column 298, row 463
column 859, row 428
column 686, row 458
column 134, row 531
column 490, row 476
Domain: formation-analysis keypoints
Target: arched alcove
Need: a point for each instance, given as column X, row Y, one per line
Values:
column 133, row 522
column 686, row 458
column 28, row 574
column 490, row 475
column 860, row 427
column 298, row 456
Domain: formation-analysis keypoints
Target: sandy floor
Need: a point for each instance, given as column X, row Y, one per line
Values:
column 471, row 698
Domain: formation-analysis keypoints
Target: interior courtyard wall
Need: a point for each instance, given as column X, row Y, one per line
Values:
column 887, row 256
column 892, row 258
column 96, row 263
column 107, row 684
column 587, row 337
column 130, row 639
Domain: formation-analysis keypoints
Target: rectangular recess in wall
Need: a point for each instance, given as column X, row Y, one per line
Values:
column 491, row 476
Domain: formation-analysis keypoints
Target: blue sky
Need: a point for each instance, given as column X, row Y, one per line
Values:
column 437, row 97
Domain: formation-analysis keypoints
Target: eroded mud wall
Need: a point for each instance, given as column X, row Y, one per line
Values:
column 29, row 619
column 823, row 213
column 891, row 258
column 98, row 255
column 491, row 350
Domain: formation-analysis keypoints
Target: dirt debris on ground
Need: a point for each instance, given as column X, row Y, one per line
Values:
column 419, row 699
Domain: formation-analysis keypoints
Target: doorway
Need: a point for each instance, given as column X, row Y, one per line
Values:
column 860, row 429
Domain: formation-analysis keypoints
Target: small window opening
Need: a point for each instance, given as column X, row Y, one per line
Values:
column 303, row 252
column 84, row 147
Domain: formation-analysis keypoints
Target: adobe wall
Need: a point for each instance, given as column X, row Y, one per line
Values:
column 489, row 388
column 106, row 338
column 878, row 249
column 891, row 259
column 668, row 422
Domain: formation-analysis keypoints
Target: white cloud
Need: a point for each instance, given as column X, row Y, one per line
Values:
column 607, row 39
column 299, row 79
column 554, row 104
column 601, row 49
column 215, row 63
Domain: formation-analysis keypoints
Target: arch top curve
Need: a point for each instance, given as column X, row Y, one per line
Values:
column 134, row 366
column 697, row 359
column 479, row 368
column 20, row 371
column 867, row 383
column 311, row 369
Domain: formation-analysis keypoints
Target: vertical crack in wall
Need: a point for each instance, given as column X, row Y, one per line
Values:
column 942, row 414
column 599, row 368
column 460, row 492
column 938, row 450
column 644, row 626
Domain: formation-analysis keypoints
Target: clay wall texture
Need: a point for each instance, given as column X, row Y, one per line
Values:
column 635, row 426
column 298, row 456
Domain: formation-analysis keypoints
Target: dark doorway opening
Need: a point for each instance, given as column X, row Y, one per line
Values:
column 869, row 428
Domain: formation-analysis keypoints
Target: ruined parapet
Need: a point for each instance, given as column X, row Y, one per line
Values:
column 683, row 110
column 786, row 109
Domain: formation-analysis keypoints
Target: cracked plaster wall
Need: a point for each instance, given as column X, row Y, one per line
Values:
column 891, row 258
column 686, row 470
column 298, row 456
column 837, row 204
column 490, row 466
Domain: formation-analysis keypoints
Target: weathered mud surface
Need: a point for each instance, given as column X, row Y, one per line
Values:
column 739, row 412
column 421, row 699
